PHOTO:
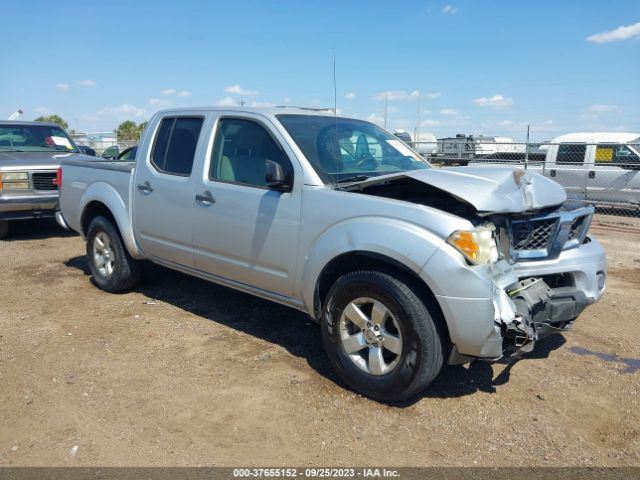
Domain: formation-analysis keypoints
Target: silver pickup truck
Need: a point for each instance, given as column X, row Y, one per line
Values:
column 30, row 154
column 404, row 266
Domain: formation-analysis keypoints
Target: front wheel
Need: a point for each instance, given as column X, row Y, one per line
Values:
column 112, row 268
column 381, row 338
column 4, row 228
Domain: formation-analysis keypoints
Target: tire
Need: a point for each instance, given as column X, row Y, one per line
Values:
column 112, row 268
column 4, row 228
column 382, row 370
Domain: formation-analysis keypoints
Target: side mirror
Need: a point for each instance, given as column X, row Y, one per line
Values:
column 274, row 175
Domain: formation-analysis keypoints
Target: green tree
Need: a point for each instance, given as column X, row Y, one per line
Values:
column 53, row 119
column 141, row 128
column 128, row 131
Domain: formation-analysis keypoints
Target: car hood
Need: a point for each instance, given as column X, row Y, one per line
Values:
column 487, row 189
column 36, row 160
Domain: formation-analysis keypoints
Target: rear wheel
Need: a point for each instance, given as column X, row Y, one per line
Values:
column 112, row 268
column 381, row 338
column 4, row 228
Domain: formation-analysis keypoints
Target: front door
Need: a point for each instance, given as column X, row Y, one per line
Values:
column 243, row 230
column 612, row 175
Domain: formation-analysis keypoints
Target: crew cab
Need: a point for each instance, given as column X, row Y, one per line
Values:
column 30, row 154
column 404, row 266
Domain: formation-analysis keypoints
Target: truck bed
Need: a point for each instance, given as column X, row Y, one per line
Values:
column 84, row 179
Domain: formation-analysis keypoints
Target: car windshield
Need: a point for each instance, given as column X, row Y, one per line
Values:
column 34, row 138
column 343, row 150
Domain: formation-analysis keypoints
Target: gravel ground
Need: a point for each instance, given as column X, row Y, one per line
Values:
column 182, row 372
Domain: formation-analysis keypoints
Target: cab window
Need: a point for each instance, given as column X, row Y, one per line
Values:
column 570, row 154
column 619, row 155
column 240, row 151
column 175, row 145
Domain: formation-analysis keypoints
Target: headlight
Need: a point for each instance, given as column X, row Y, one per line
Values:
column 478, row 245
column 12, row 176
column 14, row 181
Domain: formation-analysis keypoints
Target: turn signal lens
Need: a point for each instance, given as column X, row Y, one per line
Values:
column 478, row 246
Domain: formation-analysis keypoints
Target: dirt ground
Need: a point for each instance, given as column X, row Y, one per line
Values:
column 182, row 372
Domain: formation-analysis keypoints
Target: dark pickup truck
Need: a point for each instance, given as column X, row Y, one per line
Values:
column 30, row 154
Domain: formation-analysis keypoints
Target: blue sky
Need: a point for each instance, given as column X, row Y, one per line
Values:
column 486, row 67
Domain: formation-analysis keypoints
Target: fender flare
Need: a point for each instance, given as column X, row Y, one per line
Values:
column 110, row 198
column 377, row 235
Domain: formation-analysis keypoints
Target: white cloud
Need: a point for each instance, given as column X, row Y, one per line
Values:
column 227, row 102
column 184, row 93
column 450, row 10
column 287, row 99
column 448, row 111
column 262, row 104
column 392, row 95
column 415, row 94
column 602, row 108
column 624, row 32
column 350, row 96
column 505, row 123
column 429, row 123
column 41, row 110
column 315, row 102
column 497, row 101
column 238, row 90
column 433, row 95
column 62, row 86
column 87, row 83
column 158, row 102
column 168, row 91
column 378, row 119
column 118, row 113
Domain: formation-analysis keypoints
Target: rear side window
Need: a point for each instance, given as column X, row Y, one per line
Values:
column 570, row 154
column 175, row 145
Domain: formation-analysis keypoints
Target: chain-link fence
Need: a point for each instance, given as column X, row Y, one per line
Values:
column 606, row 175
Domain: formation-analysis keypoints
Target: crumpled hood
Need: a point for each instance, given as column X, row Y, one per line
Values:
column 487, row 189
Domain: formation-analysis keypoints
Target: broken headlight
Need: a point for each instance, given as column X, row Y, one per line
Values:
column 478, row 245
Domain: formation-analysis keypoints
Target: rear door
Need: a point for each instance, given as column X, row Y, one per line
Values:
column 568, row 167
column 614, row 175
column 164, row 190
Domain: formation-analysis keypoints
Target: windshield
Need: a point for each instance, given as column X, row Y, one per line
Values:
column 34, row 138
column 343, row 149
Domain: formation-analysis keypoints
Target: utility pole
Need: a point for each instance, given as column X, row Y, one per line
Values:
column 416, row 137
column 386, row 94
column 526, row 152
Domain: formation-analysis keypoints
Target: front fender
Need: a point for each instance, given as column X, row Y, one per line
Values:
column 401, row 241
column 109, row 196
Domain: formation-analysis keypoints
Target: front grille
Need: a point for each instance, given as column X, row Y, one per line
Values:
column 545, row 237
column 44, row 181
column 576, row 228
column 534, row 235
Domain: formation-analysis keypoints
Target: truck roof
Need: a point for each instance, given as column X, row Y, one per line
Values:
column 598, row 137
column 275, row 110
column 23, row 122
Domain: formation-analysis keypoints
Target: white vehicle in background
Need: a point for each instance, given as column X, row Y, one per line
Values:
column 600, row 167
column 472, row 146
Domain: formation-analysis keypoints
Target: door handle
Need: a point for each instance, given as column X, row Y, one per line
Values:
column 205, row 198
column 592, row 174
column 145, row 188
column 552, row 173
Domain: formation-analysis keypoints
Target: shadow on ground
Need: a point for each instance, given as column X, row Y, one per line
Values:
column 36, row 229
column 294, row 331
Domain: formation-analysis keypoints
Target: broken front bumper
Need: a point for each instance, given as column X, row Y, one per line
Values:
column 500, row 309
